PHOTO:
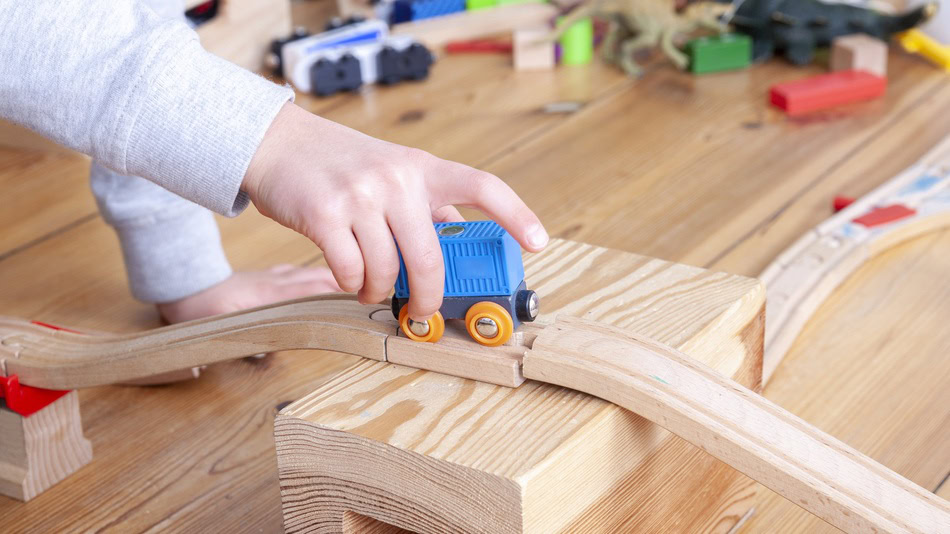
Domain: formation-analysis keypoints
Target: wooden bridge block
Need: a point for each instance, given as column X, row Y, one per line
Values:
column 427, row 452
column 41, row 449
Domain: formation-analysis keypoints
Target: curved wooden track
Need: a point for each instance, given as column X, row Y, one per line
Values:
column 803, row 276
column 743, row 429
column 62, row 359
column 58, row 359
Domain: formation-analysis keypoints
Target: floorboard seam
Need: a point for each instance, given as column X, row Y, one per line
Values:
column 49, row 235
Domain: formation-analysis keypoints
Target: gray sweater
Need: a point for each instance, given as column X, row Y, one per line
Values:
column 132, row 87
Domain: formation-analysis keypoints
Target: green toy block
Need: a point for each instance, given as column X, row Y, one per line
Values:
column 577, row 43
column 729, row 51
column 472, row 5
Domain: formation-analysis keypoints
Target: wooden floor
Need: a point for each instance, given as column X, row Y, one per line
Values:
column 696, row 170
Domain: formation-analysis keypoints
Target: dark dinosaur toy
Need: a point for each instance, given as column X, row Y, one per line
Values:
column 795, row 28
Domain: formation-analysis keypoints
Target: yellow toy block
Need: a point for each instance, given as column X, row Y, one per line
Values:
column 919, row 42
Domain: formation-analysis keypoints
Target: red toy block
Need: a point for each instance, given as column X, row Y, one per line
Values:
column 26, row 400
column 841, row 202
column 885, row 215
column 826, row 91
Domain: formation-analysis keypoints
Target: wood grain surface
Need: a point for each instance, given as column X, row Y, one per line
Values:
column 740, row 427
column 411, row 448
column 690, row 169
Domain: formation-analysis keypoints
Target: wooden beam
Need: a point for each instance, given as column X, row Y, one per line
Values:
column 740, row 427
column 40, row 450
column 806, row 273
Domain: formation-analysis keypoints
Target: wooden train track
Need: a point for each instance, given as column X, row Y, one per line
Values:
column 63, row 359
column 914, row 202
column 738, row 426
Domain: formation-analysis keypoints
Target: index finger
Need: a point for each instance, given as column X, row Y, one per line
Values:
column 422, row 256
column 454, row 183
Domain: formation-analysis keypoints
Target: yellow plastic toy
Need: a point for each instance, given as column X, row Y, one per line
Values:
column 918, row 42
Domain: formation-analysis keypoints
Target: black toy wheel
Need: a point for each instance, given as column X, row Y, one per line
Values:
column 527, row 305
column 396, row 306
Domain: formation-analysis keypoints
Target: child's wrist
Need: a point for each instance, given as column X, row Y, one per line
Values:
column 268, row 151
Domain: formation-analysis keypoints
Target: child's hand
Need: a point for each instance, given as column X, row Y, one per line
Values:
column 351, row 194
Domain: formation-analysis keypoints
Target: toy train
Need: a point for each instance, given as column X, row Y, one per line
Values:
column 348, row 56
column 484, row 285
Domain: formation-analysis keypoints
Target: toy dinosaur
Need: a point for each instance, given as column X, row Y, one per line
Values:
column 638, row 25
column 795, row 28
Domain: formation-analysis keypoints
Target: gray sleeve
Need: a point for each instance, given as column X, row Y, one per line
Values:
column 171, row 246
column 134, row 90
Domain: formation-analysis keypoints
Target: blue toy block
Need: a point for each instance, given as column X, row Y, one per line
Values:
column 407, row 10
column 427, row 9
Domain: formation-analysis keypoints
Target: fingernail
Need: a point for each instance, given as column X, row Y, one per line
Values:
column 420, row 319
column 537, row 237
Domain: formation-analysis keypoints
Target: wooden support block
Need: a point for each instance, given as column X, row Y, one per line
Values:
column 40, row 450
column 427, row 452
column 531, row 50
column 859, row 52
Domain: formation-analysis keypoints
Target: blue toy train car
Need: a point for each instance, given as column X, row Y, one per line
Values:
column 484, row 285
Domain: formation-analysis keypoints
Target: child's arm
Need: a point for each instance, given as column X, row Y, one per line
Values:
column 137, row 92
column 134, row 90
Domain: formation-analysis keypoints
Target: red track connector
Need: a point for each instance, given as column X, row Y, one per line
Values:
column 26, row 400
column 885, row 215
column 841, row 202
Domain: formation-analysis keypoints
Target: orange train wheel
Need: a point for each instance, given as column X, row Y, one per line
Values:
column 493, row 318
column 436, row 327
